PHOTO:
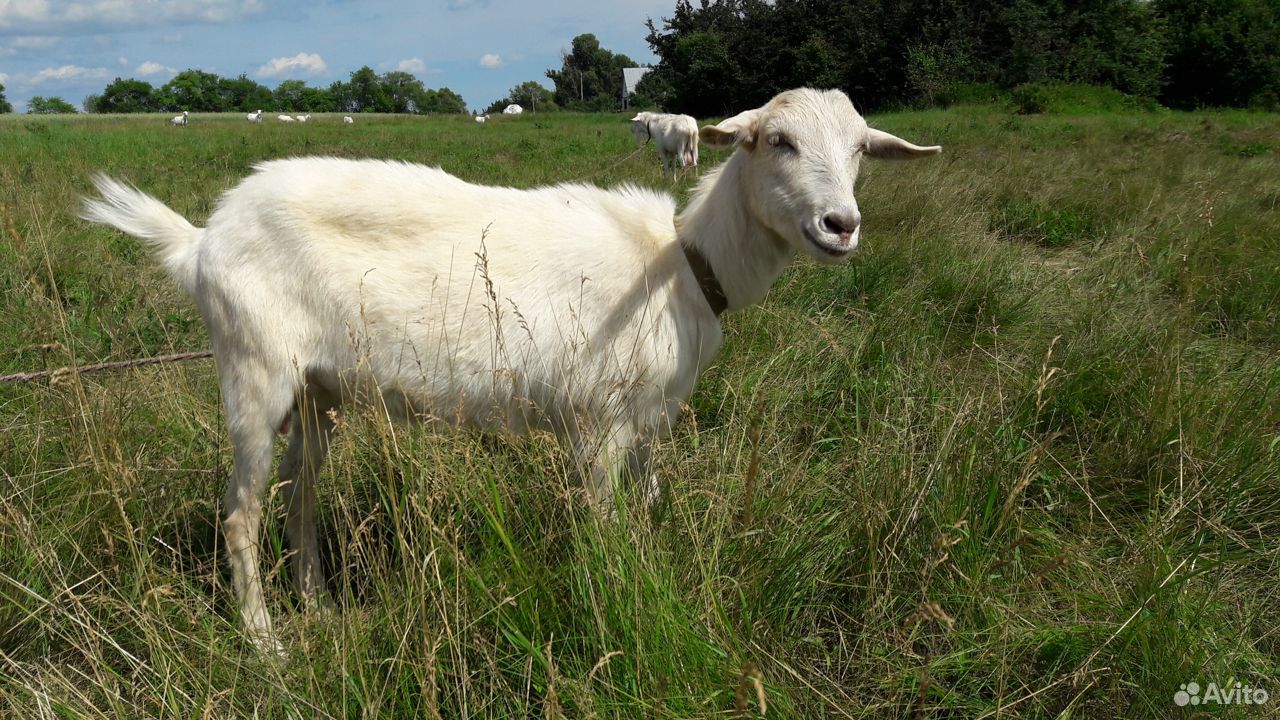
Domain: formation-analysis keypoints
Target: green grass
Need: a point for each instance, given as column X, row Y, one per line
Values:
column 1018, row 458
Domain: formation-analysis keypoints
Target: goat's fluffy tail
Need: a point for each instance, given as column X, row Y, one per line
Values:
column 169, row 234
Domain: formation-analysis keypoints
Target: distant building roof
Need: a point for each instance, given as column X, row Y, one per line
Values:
column 631, row 78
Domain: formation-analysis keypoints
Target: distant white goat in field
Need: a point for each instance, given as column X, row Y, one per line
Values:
column 482, row 118
column 675, row 137
column 284, row 118
column 304, row 118
column 181, row 119
column 254, row 117
column 585, row 311
column 346, row 119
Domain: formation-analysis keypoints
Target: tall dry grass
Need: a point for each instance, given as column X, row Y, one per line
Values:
column 1018, row 459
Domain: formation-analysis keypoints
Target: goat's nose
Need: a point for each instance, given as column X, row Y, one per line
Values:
column 841, row 222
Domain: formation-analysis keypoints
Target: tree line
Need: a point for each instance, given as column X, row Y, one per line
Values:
column 720, row 56
column 199, row 91
column 723, row 55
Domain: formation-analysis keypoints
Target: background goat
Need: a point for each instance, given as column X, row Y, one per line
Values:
column 675, row 137
column 324, row 280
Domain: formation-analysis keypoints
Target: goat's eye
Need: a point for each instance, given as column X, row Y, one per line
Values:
column 781, row 142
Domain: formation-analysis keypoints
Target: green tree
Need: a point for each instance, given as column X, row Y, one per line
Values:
column 653, row 91
column 5, row 107
column 702, row 61
column 590, row 77
column 366, row 92
column 38, row 105
column 443, row 100
column 734, row 44
column 194, row 90
column 317, row 100
column 289, row 95
column 402, row 92
column 243, row 94
column 532, row 96
column 340, row 97
column 127, row 96
column 724, row 55
column 1222, row 52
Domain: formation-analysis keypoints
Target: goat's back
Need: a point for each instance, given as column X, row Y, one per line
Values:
column 452, row 294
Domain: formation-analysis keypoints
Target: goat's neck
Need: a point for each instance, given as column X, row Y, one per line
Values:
column 745, row 256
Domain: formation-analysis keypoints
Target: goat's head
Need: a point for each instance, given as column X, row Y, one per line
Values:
column 801, row 156
column 640, row 127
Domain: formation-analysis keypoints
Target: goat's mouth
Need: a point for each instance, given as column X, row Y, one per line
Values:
column 828, row 250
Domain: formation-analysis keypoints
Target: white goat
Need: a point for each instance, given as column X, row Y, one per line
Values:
column 324, row 280
column 347, row 120
column 304, row 118
column 675, row 137
column 180, row 120
column 284, row 118
column 482, row 118
column 254, row 117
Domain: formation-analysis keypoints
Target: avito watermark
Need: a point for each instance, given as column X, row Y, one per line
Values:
column 1238, row 694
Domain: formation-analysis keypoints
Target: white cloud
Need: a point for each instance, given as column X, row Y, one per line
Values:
column 304, row 63
column 155, row 68
column 412, row 65
column 69, row 73
column 33, row 42
column 122, row 60
column 490, row 60
column 26, row 44
column 3, row 78
column 88, row 15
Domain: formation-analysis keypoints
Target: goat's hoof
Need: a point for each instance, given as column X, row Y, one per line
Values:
column 268, row 646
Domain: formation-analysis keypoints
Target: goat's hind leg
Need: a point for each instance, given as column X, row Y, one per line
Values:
column 255, row 408
column 308, row 446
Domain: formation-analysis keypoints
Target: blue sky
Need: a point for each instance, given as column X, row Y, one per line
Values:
column 479, row 48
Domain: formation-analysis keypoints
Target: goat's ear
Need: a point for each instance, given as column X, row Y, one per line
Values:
column 884, row 146
column 637, row 117
column 737, row 130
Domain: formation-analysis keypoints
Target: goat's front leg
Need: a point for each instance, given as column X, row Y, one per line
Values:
column 622, row 452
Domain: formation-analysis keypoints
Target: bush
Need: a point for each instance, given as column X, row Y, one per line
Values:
column 1033, row 98
column 972, row 94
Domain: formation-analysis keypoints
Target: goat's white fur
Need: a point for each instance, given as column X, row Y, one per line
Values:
column 571, row 307
column 180, row 119
column 254, row 117
column 285, row 118
column 346, row 119
column 675, row 137
column 304, row 118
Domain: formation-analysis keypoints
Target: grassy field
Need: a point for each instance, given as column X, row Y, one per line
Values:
column 1018, row 459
